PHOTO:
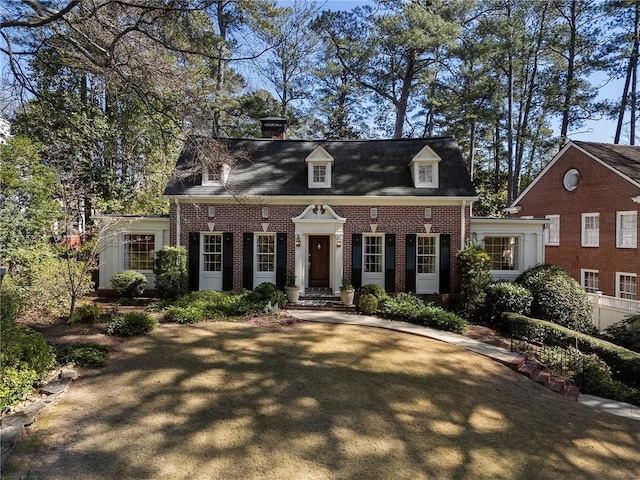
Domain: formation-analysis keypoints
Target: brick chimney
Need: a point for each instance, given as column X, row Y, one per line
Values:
column 274, row 127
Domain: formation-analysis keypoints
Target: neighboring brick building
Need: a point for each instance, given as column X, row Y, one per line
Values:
column 590, row 193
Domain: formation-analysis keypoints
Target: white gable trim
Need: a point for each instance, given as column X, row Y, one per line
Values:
column 557, row 157
column 319, row 154
column 426, row 155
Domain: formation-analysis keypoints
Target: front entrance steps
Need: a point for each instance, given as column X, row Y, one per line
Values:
column 320, row 299
column 542, row 375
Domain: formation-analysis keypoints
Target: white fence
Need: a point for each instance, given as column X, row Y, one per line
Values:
column 609, row 310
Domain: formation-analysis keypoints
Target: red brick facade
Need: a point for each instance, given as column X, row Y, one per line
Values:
column 600, row 190
column 400, row 220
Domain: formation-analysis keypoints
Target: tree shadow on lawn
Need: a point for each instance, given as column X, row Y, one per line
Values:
column 222, row 400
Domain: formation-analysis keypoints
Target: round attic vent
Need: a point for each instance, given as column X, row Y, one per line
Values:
column 571, row 179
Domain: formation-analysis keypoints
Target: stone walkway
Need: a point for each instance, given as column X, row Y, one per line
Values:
column 496, row 353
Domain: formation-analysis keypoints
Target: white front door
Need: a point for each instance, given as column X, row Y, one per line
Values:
column 211, row 261
column 427, row 264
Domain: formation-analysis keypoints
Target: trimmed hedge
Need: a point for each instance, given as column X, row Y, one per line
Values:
column 474, row 270
column 558, row 298
column 624, row 363
column 625, row 333
column 128, row 284
column 86, row 313
column 130, row 324
column 24, row 358
column 367, row 303
column 407, row 307
column 503, row 297
column 170, row 267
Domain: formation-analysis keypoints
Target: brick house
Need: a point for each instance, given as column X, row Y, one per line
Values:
column 590, row 194
column 386, row 212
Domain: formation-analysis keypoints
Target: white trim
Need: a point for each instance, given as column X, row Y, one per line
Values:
column 319, row 157
column 376, row 278
column 583, row 242
column 547, row 231
column 210, row 280
column 268, row 276
column 582, row 278
column 618, row 230
column 427, row 283
column 626, row 274
column 369, row 200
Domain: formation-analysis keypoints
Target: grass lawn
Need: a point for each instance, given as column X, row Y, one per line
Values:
column 316, row 401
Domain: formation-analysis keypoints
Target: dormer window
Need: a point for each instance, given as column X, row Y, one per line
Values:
column 319, row 163
column 217, row 175
column 424, row 168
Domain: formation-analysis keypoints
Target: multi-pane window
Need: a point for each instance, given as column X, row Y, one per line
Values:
column 319, row 173
column 503, row 251
column 553, row 230
column 426, row 261
column 425, row 174
column 373, row 253
column 590, row 229
column 265, row 253
column 212, row 252
column 626, row 285
column 138, row 252
column 627, row 229
column 591, row 280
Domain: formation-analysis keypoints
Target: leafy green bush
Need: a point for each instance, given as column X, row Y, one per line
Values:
column 128, row 284
column 375, row 290
column 86, row 313
column 264, row 295
column 13, row 301
column 130, row 324
column 82, row 354
column 24, row 358
column 558, row 298
column 474, row 268
column 170, row 267
column 367, row 303
column 411, row 309
column 185, row 315
column 625, row 333
column 624, row 363
column 502, row 297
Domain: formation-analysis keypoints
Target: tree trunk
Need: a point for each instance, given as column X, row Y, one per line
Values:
column 570, row 87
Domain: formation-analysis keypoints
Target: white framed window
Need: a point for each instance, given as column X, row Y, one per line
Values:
column 590, row 229
column 320, row 174
column 319, row 163
column 571, row 179
column 427, row 254
column 139, row 251
column 627, row 229
column 553, row 230
column 215, row 175
column 212, row 252
column 590, row 280
column 504, row 252
column 425, row 174
column 373, row 252
column 424, row 168
column 265, row 252
column 626, row 286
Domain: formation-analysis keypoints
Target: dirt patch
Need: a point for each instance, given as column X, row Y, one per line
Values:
column 488, row 335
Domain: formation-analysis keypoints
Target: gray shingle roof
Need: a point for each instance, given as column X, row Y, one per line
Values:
column 361, row 168
column 624, row 158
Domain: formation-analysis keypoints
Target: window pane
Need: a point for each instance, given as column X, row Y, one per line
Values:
column 503, row 252
column 212, row 252
column 627, row 229
column 265, row 253
column 627, row 286
column 373, row 254
column 553, row 231
column 138, row 252
column 319, row 173
column 426, row 261
column 425, row 174
column 591, row 230
column 591, row 282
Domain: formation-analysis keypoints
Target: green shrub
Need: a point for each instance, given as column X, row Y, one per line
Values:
column 128, row 284
column 264, row 294
column 130, row 324
column 502, row 297
column 170, row 267
column 367, row 303
column 474, row 268
column 24, row 358
column 82, row 354
column 13, row 301
column 185, row 315
column 377, row 291
column 624, row 363
column 87, row 313
column 409, row 308
column 625, row 333
column 558, row 298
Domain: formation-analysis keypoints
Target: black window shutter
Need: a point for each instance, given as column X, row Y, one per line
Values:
column 390, row 262
column 281, row 260
column 356, row 260
column 445, row 263
column 227, row 261
column 194, row 261
column 410, row 263
column 247, row 261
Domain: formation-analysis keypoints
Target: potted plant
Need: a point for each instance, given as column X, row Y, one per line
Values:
column 292, row 290
column 346, row 291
